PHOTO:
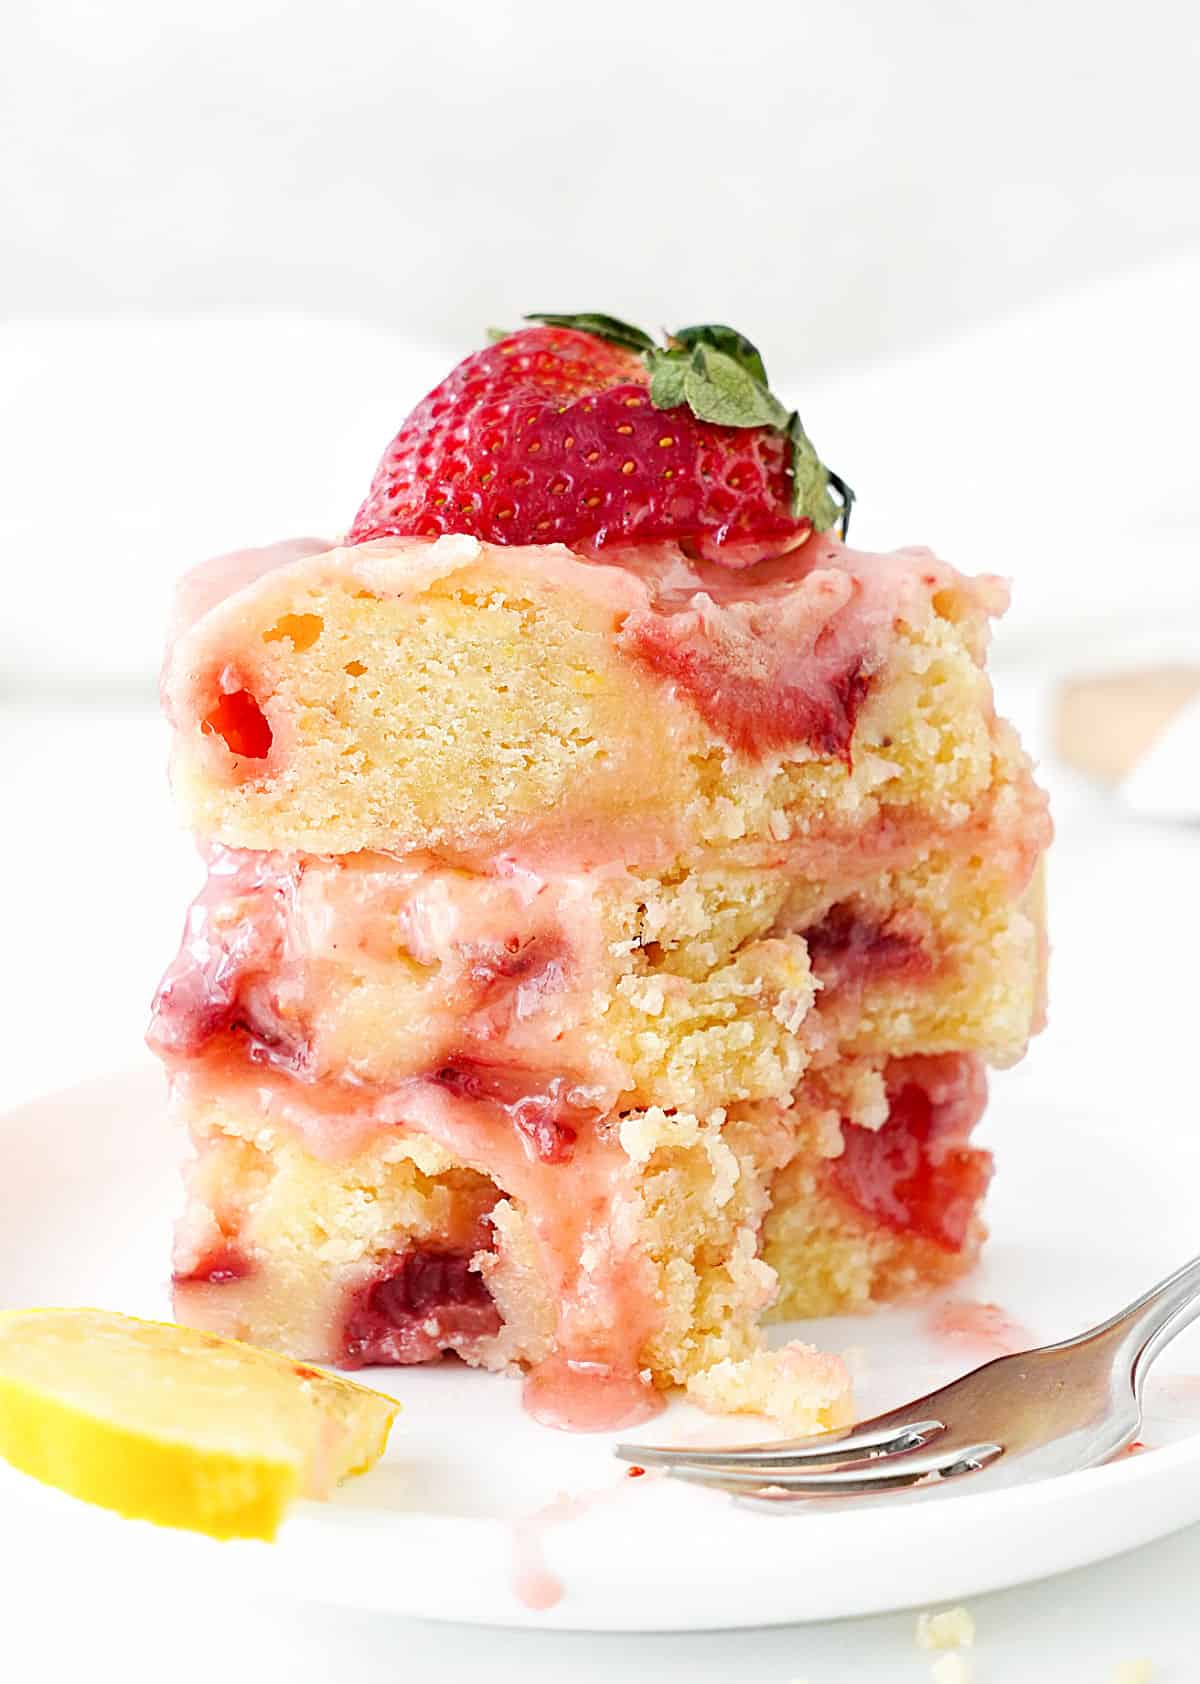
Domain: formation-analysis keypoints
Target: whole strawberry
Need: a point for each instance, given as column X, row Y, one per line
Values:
column 583, row 431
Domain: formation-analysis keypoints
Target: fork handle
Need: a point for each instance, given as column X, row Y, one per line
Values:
column 1147, row 1326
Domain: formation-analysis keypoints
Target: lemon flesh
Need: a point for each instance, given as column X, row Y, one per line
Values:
column 173, row 1425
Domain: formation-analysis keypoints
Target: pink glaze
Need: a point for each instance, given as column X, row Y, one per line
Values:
column 224, row 576
column 589, row 1397
column 549, row 1120
column 534, row 1583
column 232, row 938
column 276, row 947
column 776, row 657
column 986, row 1328
column 601, row 1283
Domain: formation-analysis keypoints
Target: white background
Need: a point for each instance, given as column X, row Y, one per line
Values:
column 844, row 179
column 238, row 240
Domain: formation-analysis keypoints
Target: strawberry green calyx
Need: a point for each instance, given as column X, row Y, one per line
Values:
column 720, row 375
column 728, row 341
column 604, row 327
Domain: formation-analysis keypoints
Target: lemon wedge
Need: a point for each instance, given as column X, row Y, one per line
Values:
column 173, row 1425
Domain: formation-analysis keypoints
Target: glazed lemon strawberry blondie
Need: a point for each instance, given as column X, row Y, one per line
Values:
column 617, row 886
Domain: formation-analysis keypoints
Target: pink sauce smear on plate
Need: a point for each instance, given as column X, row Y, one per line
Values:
column 534, row 1582
column 985, row 1328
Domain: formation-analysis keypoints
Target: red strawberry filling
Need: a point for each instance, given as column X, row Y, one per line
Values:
column 916, row 1174
column 238, row 719
column 424, row 1302
column 217, row 1268
column 847, row 946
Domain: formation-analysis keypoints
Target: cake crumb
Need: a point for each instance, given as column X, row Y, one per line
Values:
column 953, row 1628
column 801, row 1388
column 952, row 1669
column 1133, row 1672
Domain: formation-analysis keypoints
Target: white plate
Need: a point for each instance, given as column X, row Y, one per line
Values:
column 466, row 1518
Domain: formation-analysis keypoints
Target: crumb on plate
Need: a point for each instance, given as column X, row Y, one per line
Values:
column 953, row 1628
column 803, row 1389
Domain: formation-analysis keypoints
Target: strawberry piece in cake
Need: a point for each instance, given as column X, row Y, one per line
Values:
column 603, row 940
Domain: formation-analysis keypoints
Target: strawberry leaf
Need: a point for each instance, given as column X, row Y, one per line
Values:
column 810, row 487
column 603, row 327
column 719, row 389
column 667, row 372
column 726, row 339
column 811, row 481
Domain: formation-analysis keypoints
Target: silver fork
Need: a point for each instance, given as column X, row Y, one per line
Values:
column 1023, row 1417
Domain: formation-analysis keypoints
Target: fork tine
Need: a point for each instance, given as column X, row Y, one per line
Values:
column 774, row 1485
column 866, row 1443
